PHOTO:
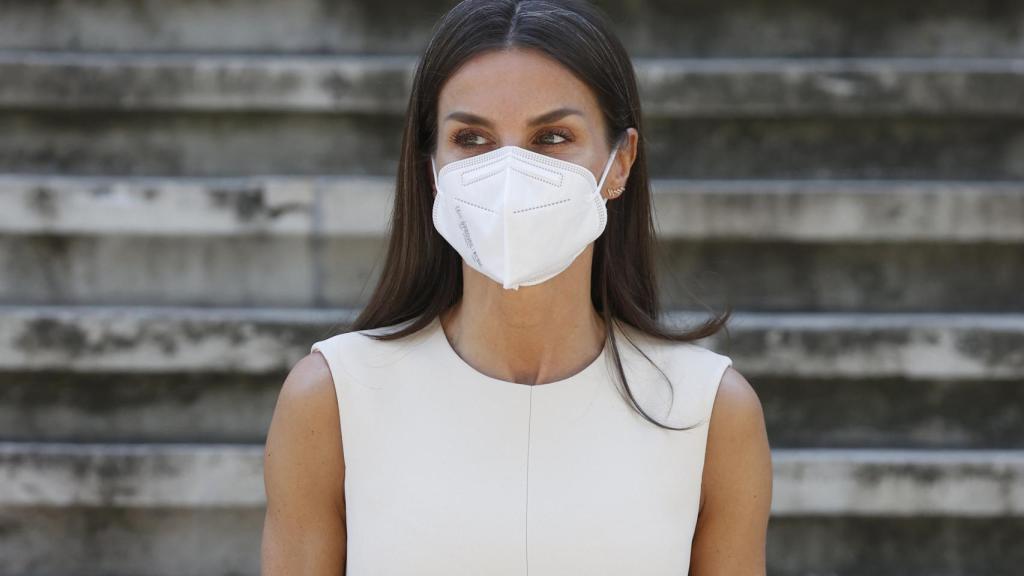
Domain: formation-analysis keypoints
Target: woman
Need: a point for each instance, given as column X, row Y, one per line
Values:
column 507, row 402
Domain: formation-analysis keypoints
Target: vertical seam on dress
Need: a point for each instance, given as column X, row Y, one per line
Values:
column 529, row 433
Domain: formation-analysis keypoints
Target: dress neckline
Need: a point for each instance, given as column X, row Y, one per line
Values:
column 588, row 373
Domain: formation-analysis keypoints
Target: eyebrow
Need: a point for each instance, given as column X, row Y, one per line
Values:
column 544, row 118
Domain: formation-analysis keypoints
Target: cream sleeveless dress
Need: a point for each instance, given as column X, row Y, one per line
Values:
column 452, row 472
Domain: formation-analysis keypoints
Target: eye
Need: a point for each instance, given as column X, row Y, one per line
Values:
column 471, row 139
column 463, row 138
column 557, row 133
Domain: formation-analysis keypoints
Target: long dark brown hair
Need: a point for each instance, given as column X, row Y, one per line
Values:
column 422, row 273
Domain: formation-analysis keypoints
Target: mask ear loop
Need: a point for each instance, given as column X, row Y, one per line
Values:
column 607, row 168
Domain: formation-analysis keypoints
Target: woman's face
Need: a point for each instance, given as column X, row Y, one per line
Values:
column 524, row 98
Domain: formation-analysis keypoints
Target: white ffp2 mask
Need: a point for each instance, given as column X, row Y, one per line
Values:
column 518, row 216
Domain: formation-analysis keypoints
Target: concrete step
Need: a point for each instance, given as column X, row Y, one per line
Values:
column 774, row 276
column 56, row 406
column 905, row 413
column 375, row 84
column 922, row 546
column 824, row 482
column 159, row 339
column 807, row 482
column 857, row 211
column 292, row 271
column 143, row 497
column 90, row 541
column 187, row 143
column 218, row 406
column 42, row 474
column 206, row 374
column 767, row 245
column 154, row 340
column 205, row 115
column 99, row 541
column 742, row 28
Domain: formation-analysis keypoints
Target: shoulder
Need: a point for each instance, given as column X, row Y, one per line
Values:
column 736, row 404
column 671, row 353
column 304, row 474
column 736, row 487
column 738, row 457
column 308, row 381
column 362, row 344
column 693, row 371
column 303, row 446
column 306, row 400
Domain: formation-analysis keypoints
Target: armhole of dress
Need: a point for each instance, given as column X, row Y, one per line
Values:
column 338, row 375
column 716, row 374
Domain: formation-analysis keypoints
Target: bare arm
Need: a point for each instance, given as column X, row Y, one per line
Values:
column 304, row 530
column 732, row 525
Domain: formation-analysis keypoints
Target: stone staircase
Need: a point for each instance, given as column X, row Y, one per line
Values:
column 191, row 193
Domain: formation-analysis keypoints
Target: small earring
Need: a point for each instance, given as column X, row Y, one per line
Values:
column 615, row 192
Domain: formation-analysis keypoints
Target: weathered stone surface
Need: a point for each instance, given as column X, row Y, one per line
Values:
column 131, row 475
column 352, row 206
column 763, row 245
column 219, row 406
column 650, row 27
column 848, row 277
column 183, row 143
column 912, row 346
column 177, row 541
column 892, row 412
column 866, row 482
column 895, row 546
column 807, row 163
column 116, row 541
column 123, row 407
column 376, row 84
column 161, row 339
column 977, row 483
column 938, row 347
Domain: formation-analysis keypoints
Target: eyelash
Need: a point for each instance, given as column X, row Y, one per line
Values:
column 457, row 137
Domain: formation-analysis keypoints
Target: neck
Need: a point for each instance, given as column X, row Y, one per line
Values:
column 534, row 335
